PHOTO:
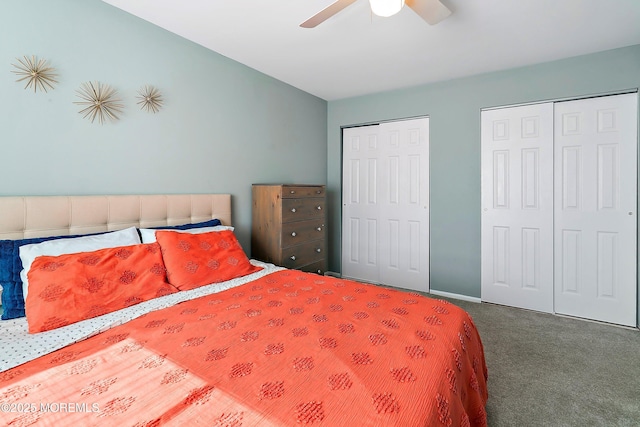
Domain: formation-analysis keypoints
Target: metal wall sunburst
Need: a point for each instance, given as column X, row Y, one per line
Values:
column 100, row 102
column 150, row 99
column 36, row 72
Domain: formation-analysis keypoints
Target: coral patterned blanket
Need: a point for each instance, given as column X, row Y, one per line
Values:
column 290, row 348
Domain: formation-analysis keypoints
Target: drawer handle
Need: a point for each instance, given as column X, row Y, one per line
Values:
column 293, row 257
column 318, row 250
column 294, row 234
column 318, row 192
column 319, row 228
column 293, row 191
column 319, row 208
column 293, row 210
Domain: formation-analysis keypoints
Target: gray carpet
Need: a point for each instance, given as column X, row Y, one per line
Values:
column 547, row 370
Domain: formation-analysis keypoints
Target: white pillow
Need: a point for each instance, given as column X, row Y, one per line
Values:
column 28, row 253
column 149, row 234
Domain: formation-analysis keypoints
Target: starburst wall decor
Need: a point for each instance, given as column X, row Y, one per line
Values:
column 36, row 72
column 100, row 102
column 150, row 99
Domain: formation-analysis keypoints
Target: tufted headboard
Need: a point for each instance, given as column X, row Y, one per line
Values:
column 43, row 216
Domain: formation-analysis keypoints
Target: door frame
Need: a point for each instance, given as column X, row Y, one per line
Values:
column 342, row 181
column 577, row 98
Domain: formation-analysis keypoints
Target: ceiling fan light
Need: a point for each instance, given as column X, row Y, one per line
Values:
column 386, row 8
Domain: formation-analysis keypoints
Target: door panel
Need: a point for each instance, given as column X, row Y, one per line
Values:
column 595, row 216
column 517, row 206
column 360, row 217
column 404, row 204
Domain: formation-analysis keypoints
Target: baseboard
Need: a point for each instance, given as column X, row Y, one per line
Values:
column 455, row 296
column 431, row 292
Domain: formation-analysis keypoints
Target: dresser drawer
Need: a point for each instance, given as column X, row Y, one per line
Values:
column 307, row 253
column 300, row 191
column 318, row 267
column 295, row 233
column 301, row 209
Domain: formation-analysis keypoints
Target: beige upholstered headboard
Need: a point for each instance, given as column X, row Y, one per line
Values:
column 42, row 216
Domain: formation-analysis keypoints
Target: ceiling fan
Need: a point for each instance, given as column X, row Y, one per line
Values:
column 432, row 11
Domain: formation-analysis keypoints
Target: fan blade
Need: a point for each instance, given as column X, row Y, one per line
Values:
column 326, row 13
column 432, row 11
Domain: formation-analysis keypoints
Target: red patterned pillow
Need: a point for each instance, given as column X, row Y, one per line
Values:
column 68, row 288
column 195, row 260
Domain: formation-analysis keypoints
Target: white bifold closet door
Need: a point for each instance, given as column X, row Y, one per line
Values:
column 517, row 206
column 385, row 203
column 559, row 195
column 595, row 208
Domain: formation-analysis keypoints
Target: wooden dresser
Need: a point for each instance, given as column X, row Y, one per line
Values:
column 288, row 226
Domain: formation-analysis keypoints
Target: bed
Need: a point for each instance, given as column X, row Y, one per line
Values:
column 211, row 337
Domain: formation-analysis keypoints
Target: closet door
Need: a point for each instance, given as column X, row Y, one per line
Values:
column 360, row 211
column 404, row 204
column 595, row 208
column 385, row 209
column 517, row 206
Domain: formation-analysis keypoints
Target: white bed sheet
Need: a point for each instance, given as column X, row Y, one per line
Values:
column 18, row 346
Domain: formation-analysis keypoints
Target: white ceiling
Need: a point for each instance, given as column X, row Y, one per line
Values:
column 355, row 53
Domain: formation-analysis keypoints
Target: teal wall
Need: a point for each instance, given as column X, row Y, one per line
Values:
column 224, row 126
column 454, row 110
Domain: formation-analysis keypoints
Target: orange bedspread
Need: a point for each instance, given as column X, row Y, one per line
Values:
column 290, row 348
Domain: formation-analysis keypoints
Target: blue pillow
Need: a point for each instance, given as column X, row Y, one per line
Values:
column 209, row 223
column 10, row 268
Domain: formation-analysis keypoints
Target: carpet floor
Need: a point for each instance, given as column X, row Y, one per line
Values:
column 547, row 370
